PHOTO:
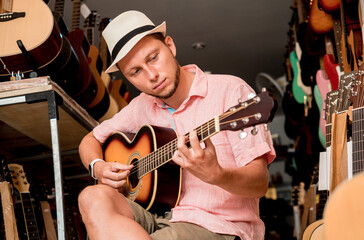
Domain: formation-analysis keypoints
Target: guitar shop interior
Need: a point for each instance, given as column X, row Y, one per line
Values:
column 53, row 90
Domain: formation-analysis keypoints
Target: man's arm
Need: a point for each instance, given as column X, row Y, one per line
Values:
column 110, row 173
column 248, row 181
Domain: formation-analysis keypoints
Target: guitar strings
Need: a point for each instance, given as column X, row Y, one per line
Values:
column 164, row 151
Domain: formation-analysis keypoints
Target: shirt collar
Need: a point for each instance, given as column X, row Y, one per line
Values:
column 198, row 88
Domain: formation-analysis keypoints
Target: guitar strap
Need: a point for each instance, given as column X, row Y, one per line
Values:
column 339, row 164
column 8, row 211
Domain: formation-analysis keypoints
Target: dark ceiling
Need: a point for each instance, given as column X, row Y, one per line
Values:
column 242, row 37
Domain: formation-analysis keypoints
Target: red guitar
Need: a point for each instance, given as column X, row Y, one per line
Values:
column 152, row 147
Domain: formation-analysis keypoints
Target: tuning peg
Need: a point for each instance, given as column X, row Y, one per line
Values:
column 242, row 134
column 254, row 131
column 266, row 127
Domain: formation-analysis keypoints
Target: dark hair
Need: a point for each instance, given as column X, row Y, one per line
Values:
column 158, row 36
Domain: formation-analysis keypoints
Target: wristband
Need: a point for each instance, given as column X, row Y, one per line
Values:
column 91, row 167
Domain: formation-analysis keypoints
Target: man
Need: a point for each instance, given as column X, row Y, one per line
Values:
column 222, row 179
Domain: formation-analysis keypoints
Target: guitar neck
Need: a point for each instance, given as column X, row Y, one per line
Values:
column 164, row 154
column 29, row 216
column 76, row 15
column 59, row 6
column 358, row 143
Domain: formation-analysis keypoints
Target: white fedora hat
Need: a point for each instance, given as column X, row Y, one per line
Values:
column 126, row 30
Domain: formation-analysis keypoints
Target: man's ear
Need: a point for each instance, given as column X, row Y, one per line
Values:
column 169, row 42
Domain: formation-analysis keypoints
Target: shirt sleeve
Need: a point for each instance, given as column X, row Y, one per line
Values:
column 253, row 146
column 123, row 121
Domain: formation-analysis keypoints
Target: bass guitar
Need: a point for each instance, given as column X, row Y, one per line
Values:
column 152, row 182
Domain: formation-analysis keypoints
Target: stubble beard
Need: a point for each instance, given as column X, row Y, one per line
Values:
column 176, row 83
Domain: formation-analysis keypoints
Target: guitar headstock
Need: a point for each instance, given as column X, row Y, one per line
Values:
column 92, row 19
column 357, row 94
column 20, row 182
column 345, row 87
column 330, row 105
column 257, row 110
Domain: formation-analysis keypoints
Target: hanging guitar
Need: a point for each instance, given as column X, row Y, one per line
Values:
column 152, row 182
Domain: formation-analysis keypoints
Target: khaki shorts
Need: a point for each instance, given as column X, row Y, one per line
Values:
column 159, row 228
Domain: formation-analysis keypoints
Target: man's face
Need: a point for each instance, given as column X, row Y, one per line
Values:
column 151, row 67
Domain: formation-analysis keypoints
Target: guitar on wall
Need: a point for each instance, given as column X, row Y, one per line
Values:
column 152, row 147
column 21, row 184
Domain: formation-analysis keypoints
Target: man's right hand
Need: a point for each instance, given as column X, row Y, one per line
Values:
column 113, row 174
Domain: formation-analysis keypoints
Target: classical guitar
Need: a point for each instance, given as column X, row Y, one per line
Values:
column 152, row 182
column 21, row 184
column 344, row 210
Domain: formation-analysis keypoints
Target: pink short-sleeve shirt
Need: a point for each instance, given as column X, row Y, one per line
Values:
column 201, row 203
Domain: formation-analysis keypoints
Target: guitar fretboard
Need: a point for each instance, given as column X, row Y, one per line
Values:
column 76, row 15
column 59, row 6
column 328, row 135
column 358, row 140
column 29, row 217
column 164, row 154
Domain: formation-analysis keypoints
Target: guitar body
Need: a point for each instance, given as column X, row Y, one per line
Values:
column 296, row 89
column 331, row 70
column 86, row 81
column 314, row 231
column 344, row 211
column 101, row 102
column 50, row 51
column 116, row 90
column 158, row 190
column 324, row 87
column 43, row 46
column 320, row 21
column 330, row 5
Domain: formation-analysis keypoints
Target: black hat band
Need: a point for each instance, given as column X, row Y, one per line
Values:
column 120, row 44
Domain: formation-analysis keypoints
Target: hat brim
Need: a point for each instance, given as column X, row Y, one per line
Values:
column 131, row 43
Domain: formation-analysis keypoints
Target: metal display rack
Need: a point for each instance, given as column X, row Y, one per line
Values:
column 29, row 106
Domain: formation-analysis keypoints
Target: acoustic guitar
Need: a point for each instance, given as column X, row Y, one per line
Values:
column 46, row 53
column 21, row 184
column 153, row 182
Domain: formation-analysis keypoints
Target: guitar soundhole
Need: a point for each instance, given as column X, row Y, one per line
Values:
column 133, row 177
